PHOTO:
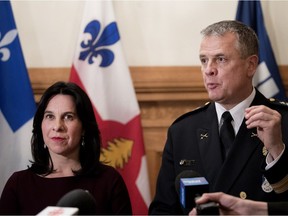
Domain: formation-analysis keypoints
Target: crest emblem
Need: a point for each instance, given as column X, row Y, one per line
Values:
column 95, row 44
column 117, row 153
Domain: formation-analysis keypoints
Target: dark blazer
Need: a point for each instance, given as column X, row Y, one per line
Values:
column 193, row 144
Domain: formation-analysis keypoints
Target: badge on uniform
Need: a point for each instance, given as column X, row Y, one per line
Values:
column 185, row 162
column 264, row 151
column 203, row 136
column 266, row 187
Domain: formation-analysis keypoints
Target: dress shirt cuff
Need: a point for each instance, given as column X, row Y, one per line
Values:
column 269, row 159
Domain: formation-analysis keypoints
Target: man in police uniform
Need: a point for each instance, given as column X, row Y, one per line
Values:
column 255, row 164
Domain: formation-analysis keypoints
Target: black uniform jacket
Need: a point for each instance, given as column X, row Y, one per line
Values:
column 193, row 144
column 277, row 208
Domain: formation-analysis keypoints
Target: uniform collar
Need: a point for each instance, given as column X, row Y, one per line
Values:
column 237, row 112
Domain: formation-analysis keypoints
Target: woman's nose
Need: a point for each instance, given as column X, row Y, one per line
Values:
column 58, row 126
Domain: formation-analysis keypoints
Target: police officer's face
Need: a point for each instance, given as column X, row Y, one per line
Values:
column 227, row 77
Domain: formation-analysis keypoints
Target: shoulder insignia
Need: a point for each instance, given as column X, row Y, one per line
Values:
column 198, row 109
column 201, row 107
column 272, row 99
column 278, row 102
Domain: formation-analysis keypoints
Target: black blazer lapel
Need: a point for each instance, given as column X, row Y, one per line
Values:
column 246, row 143
column 209, row 144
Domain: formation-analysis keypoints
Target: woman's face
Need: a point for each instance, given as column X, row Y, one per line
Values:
column 61, row 127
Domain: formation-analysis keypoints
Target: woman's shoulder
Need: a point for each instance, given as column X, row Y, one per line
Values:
column 22, row 173
column 105, row 175
column 108, row 170
column 20, row 177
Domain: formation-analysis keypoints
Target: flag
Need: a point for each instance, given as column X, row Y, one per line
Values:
column 17, row 105
column 99, row 67
column 267, row 78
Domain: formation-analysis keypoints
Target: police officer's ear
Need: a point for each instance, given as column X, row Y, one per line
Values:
column 252, row 63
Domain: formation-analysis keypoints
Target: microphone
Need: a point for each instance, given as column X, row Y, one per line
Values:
column 58, row 211
column 80, row 199
column 190, row 186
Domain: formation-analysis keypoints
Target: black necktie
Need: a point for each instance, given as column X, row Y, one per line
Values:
column 227, row 133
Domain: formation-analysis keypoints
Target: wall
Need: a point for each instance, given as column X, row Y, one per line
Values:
column 154, row 33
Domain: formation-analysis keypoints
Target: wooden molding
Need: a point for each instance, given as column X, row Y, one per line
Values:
column 151, row 83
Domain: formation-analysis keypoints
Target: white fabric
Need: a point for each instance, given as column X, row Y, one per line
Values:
column 15, row 150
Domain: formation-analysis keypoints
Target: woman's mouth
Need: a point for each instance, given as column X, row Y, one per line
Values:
column 58, row 139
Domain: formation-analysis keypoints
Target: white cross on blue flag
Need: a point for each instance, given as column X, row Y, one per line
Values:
column 17, row 105
column 267, row 78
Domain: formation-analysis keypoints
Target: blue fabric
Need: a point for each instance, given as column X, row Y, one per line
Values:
column 16, row 96
column 250, row 13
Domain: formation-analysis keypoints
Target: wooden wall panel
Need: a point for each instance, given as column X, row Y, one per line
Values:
column 163, row 93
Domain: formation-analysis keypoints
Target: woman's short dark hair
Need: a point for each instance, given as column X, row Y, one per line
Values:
column 89, row 153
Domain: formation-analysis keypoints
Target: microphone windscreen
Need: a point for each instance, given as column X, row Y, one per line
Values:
column 80, row 199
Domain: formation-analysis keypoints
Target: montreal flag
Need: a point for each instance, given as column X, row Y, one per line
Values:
column 99, row 67
column 17, row 105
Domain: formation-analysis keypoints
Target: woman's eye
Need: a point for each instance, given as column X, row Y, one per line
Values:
column 48, row 116
column 69, row 117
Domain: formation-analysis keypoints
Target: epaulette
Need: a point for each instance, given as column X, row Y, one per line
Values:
column 277, row 102
column 196, row 110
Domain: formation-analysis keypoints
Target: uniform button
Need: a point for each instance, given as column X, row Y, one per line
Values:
column 264, row 151
column 243, row 195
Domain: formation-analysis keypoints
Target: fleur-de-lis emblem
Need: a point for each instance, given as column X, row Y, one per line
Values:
column 95, row 45
column 8, row 38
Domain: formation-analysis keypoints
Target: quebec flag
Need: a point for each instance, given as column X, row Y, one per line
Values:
column 17, row 105
column 99, row 67
column 267, row 78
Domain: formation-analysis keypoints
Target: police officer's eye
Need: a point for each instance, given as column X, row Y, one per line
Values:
column 221, row 59
column 203, row 60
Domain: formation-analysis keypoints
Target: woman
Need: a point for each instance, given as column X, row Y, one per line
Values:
column 66, row 150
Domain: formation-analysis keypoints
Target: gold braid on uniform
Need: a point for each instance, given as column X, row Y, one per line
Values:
column 281, row 186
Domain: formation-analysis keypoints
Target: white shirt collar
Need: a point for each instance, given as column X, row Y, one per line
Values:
column 237, row 112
